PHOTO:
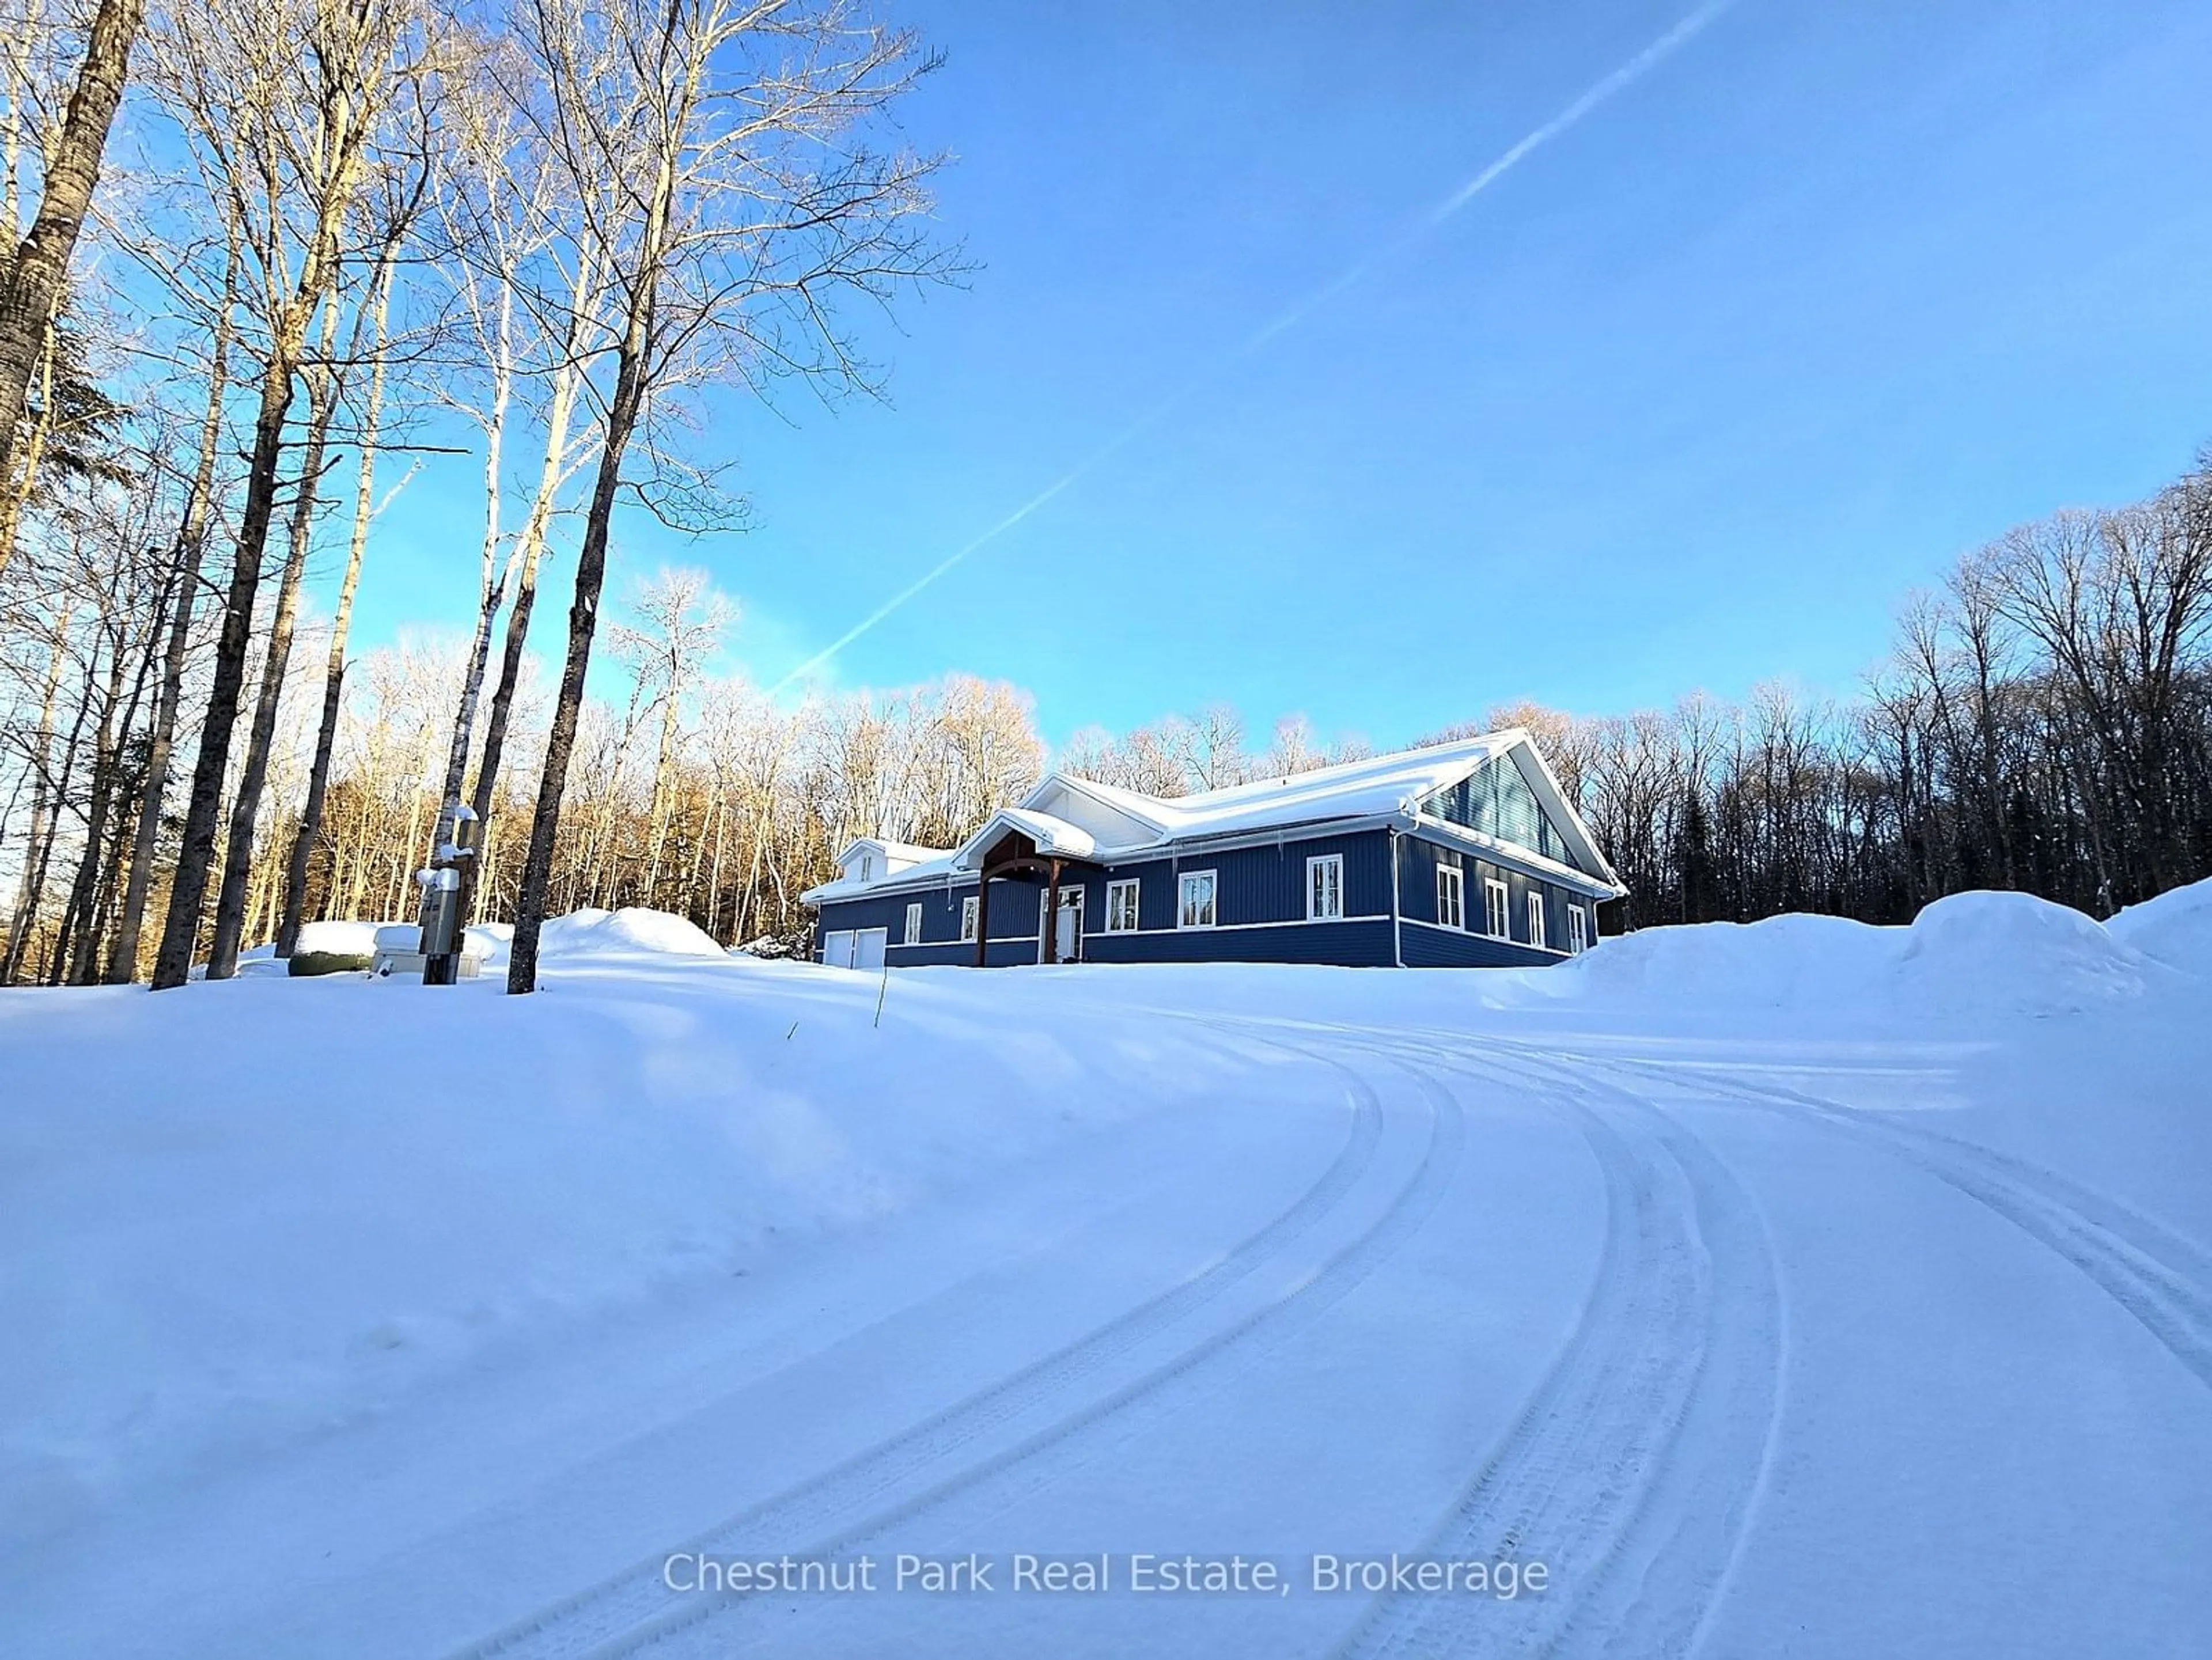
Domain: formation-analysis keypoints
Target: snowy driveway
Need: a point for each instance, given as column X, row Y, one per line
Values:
column 1678, row 1332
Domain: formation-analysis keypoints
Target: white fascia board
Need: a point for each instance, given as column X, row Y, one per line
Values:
column 1553, row 796
column 1073, row 785
column 1526, row 861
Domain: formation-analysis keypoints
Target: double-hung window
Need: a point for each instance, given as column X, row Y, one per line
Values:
column 1536, row 936
column 967, row 921
column 1196, row 895
column 1325, row 888
column 914, row 923
column 1121, row 906
column 1451, row 891
column 1498, row 910
column 1577, row 930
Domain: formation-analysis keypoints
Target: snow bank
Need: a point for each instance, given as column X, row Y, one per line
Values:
column 2175, row 928
column 2012, row 952
column 242, row 1214
column 1785, row 961
column 1971, row 954
column 633, row 932
column 350, row 938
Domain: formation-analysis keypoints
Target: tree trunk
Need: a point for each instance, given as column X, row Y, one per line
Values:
column 191, row 542
column 529, row 550
column 30, row 289
column 73, row 943
column 238, row 858
column 319, row 773
column 32, row 433
column 35, row 890
column 42, row 794
column 623, row 413
column 491, row 593
column 180, row 932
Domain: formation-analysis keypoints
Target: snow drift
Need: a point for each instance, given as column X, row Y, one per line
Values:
column 233, row 1215
column 1978, row 954
column 2175, row 928
column 348, row 1235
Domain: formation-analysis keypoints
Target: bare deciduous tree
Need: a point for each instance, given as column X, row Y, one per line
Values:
column 749, row 199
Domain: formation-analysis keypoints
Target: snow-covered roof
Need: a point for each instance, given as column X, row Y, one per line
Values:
column 1380, row 784
column 904, row 853
column 1054, row 838
column 1072, row 817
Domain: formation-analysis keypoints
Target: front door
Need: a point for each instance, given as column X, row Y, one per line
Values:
column 1067, row 928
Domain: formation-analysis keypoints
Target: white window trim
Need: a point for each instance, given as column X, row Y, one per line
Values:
column 1453, row 879
column 1131, row 886
column 968, row 907
column 1496, row 921
column 1577, row 930
column 1319, row 858
column 913, row 935
column 1213, row 879
column 868, row 868
column 1539, row 935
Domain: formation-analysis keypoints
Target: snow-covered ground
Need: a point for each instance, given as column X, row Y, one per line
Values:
column 1797, row 1289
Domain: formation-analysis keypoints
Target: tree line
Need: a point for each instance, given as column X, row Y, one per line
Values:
column 347, row 231
column 2043, row 721
column 358, row 237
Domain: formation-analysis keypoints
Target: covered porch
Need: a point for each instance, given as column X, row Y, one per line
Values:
column 1037, row 853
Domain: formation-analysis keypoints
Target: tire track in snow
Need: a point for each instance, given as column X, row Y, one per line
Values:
column 1632, row 1469
column 1296, row 1306
column 607, row 1614
column 2163, row 1280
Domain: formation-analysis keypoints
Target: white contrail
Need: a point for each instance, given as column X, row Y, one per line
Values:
column 1620, row 79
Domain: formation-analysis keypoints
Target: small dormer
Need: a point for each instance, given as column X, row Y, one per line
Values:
column 871, row 859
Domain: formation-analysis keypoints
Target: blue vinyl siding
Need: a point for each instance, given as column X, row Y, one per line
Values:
column 1419, row 857
column 1447, row 948
column 1349, row 945
column 1252, row 884
column 1255, row 886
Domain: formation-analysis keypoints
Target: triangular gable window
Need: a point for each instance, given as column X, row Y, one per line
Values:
column 1497, row 800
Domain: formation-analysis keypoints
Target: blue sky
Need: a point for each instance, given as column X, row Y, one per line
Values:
column 1691, row 397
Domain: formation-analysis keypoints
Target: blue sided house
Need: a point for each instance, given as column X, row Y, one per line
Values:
column 1465, row 854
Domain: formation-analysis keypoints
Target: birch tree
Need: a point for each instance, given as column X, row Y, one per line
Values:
column 280, row 100
column 35, row 276
column 747, row 200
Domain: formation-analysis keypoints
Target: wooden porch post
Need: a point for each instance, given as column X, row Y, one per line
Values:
column 982, row 918
column 1051, row 926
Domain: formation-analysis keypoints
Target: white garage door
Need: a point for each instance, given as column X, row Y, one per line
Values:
column 837, row 949
column 868, row 948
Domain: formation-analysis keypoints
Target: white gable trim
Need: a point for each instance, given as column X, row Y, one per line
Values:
column 1551, row 796
column 1056, row 837
column 1056, row 786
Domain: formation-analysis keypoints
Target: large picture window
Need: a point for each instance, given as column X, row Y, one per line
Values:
column 1325, row 888
column 1121, row 906
column 1195, row 905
